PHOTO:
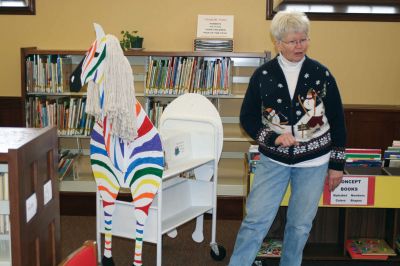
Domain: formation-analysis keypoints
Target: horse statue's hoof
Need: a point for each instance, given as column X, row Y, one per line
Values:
column 107, row 261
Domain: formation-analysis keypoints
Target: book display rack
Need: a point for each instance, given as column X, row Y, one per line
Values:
column 345, row 227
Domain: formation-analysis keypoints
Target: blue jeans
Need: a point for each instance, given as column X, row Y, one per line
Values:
column 269, row 186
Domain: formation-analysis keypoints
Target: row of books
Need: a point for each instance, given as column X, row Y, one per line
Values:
column 48, row 73
column 154, row 111
column 68, row 114
column 358, row 161
column 220, row 45
column 66, row 161
column 178, row 75
column 358, row 248
column 354, row 157
column 4, row 195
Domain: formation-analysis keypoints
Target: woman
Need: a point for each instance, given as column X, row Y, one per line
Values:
column 292, row 108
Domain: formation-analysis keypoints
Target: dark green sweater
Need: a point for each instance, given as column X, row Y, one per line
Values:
column 314, row 116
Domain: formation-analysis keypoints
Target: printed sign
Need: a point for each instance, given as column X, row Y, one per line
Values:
column 177, row 147
column 353, row 190
column 47, row 192
column 215, row 27
column 31, row 207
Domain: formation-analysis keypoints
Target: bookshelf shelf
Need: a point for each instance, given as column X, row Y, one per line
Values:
column 59, row 94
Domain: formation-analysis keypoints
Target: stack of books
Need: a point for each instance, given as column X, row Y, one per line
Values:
column 369, row 249
column 363, row 162
column 391, row 155
column 220, row 45
column 363, row 157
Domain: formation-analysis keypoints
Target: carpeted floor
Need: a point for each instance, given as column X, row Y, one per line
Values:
column 179, row 251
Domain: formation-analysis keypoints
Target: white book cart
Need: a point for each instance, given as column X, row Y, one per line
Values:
column 192, row 135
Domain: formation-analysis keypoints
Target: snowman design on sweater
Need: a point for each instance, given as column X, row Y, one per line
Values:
column 314, row 117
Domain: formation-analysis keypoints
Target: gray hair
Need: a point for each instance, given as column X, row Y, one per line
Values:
column 289, row 21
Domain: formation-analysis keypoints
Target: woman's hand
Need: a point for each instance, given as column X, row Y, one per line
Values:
column 334, row 178
column 286, row 140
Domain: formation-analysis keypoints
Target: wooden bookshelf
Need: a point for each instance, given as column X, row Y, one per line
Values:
column 243, row 65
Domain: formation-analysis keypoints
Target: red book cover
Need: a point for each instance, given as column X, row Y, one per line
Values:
column 360, row 151
column 368, row 249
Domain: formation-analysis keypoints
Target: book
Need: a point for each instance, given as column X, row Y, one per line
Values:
column 270, row 248
column 369, row 249
column 396, row 143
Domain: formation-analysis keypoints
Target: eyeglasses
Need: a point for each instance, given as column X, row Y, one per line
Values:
column 297, row 42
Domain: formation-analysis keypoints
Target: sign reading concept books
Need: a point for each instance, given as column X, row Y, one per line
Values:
column 353, row 190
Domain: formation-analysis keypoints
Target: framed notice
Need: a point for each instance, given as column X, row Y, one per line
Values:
column 353, row 190
column 215, row 27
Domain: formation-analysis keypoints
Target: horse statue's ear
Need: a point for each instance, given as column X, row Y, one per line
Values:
column 99, row 31
column 75, row 83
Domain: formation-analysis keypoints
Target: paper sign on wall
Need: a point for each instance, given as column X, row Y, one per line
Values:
column 215, row 26
column 47, row 192
column 31, row 207
column 353, row 190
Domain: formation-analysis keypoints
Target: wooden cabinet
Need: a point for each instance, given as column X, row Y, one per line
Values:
column 30, row 198
column 372, row 126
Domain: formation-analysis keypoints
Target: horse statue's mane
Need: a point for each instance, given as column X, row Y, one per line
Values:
column 119, row 92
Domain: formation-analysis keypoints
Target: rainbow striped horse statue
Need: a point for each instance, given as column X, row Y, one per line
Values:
column 125, row 147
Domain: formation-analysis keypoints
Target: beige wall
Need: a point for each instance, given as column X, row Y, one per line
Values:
column 364, row 56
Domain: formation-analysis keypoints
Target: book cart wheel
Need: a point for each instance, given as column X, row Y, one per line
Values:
column 217, row 252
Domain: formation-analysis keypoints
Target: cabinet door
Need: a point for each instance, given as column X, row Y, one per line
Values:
column 372, row 128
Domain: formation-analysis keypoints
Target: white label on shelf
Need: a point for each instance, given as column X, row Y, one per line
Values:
column 31, row 207
column 47, row 192
column 177, row 147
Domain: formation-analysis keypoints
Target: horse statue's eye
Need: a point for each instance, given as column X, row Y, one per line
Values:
column 96, row 54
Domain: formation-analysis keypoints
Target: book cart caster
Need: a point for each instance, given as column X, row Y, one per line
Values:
column 217, row 252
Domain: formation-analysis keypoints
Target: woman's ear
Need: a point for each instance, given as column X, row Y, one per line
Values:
column 278, row 44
